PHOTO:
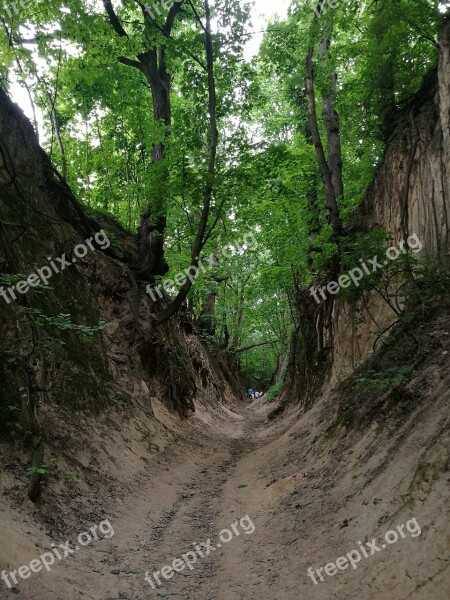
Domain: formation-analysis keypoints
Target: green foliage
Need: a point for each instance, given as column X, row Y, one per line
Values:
column 359, row 251
column 63, row 323
column 381, row 381
column 274, row 391
column 24, row 346
column 363, row 247
column 432, row 282
column 10, row 279
column 268, row 181
column 40, row 469
column 70, row 477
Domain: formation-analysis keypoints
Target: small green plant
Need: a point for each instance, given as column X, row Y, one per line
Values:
column 11, row 279
column 68, row 477
column 275, row 390
column 41, row 469
column 432, row 281
column 63, row 322
column 323, row 249
column 60, row 324
column 380, row 381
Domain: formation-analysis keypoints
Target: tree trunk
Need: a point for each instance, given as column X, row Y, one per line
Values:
column 325, row 172
column 331, row 121
column 55, row 122
column 201, row 237
column 237, row 324
column 153, row 220
column 331, row 169
column 207, row 318
column 152, row 64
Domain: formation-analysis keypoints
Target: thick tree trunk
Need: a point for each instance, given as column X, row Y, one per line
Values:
column 331, row 121
column 207, row 318
column 152, row 64
column 325, row 172
column 331, row 169
column 153, row 220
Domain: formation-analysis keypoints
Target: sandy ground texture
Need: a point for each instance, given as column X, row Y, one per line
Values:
column 278, row 497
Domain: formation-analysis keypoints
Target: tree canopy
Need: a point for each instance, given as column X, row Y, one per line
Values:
column 158, row 119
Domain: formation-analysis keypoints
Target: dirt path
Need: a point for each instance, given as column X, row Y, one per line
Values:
column 274, row 500
column 188, row 503
column 202, row 512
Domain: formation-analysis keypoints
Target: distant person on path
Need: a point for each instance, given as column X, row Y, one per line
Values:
column 251, row 393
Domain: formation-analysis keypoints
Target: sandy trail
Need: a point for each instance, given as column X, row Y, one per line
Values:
column 306, row 506
column 160, row 514
column 205, row 510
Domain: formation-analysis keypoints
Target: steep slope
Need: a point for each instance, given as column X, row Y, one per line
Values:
column 83, row 344
column 301, row 493
column 410, row 196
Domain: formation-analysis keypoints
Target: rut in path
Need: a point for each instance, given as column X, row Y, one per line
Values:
column 193, row 521
column 198, row 502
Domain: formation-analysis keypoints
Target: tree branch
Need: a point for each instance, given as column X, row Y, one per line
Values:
column 196, row 15
column 114, row 19
column 174, row 10
column 216, row 220
column 130, row 62
column 255, row 345
column 167, row 29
